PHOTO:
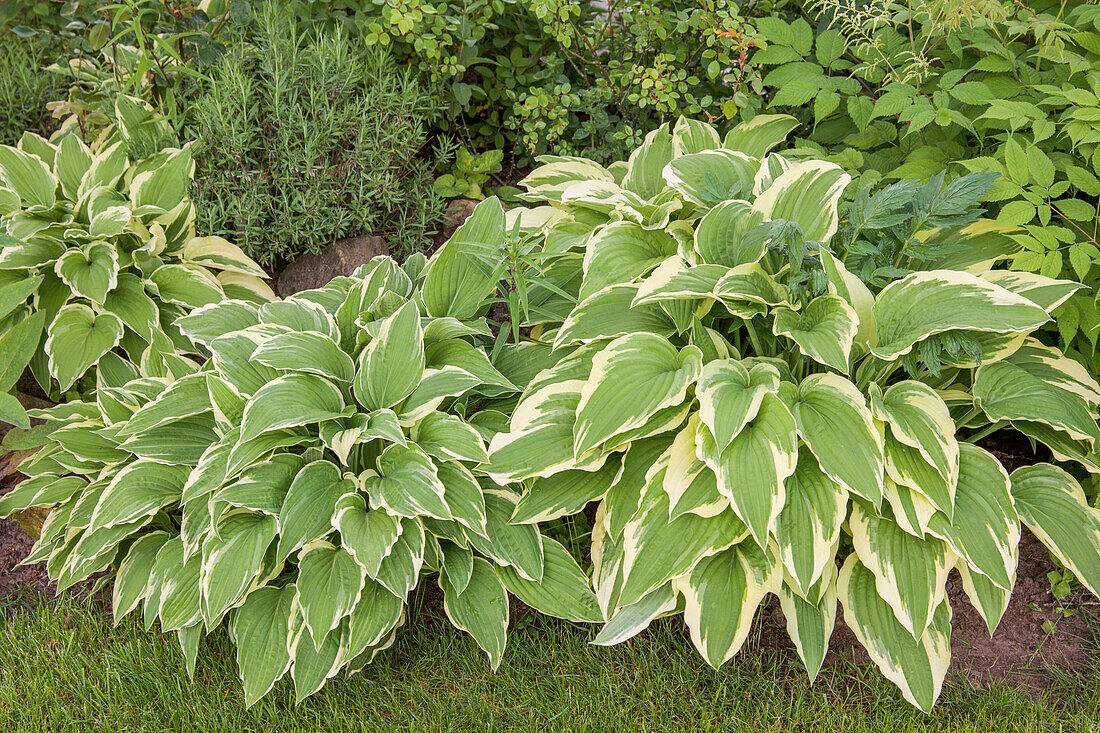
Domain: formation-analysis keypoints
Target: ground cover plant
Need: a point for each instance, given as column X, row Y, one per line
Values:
column 302, row 142
column 99, row 252
column 906, row 90
column 755, row 419
column 299, row 484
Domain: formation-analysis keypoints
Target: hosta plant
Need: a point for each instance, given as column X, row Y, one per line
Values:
column 300, row 485
column 754, row 419
column 98, row 253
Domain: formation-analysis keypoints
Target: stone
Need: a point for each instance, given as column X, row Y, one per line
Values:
column 458, row 211
column 315, row 270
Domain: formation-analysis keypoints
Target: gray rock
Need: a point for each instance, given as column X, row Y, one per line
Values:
column 315, row 270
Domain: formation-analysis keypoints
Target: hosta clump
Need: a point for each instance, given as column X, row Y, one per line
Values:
column 299, row 485
column 99, row 252
column 747, row 430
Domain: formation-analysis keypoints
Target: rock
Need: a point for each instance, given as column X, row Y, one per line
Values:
column 315, row 270
column 457, row 212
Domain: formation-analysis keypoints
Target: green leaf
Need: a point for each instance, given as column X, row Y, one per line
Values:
column 810, row 625
column 1006, row 391
column 645, row 167
column 632, row 378
column 752, row 469
column 459, row 277
column 368, row 535
column 77, row 339
column 564, row 591
column 824, row 330
column 481, row 610
column 329, row 583
column 296, row 399
column 190, row 287
column 392, row 365
column 827, row 407
column 917, row 667
column 730, row 396
column 1054, row 507
column 658, row 549
column 261, row 631
column 14, row 295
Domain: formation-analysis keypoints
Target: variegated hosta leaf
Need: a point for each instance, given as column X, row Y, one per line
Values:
column 309, row 506
column 751, row 471
column 564, row 591
column 730, row 235
column 564, row 493
column 808, row 194
column 459, row 277
column 921, row 304
column 833, row 419
column 910, row 573
column 917, row 666
column 808, row 528
column 985, row 529
column 722, row 593
column 91, row 271
column 628, row 621
column 407, row 484
column 919, row 418
column 658, row 550
column 232, row 558
column 290, row 401
column 710, row 177
column 810, row 625
column 632, row 378
column 261, row 630
column 1053, row 506
column 645, row 168
column 620, row 252
column 1006, row 391
column 392, row 365
column 692, row 487
column 760, row 134
column 824, row 330
column 539, row 441
column 481, row 609
column 76, row 341
column 854, row 292
column 730, row 396
column 693, row 136
column 610, row 313
column 329, row 583
column 313, row 353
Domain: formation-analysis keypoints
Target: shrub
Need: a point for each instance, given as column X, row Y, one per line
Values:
column 99, row 252
column 754, row 418
column 301, row 145
column 26, row 88
column 907, row 90
column 300, row 482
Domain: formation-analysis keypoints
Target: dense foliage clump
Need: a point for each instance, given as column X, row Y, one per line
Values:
column 301, row 143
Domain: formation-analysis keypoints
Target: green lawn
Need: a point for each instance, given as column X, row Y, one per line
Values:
column 65, row 668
